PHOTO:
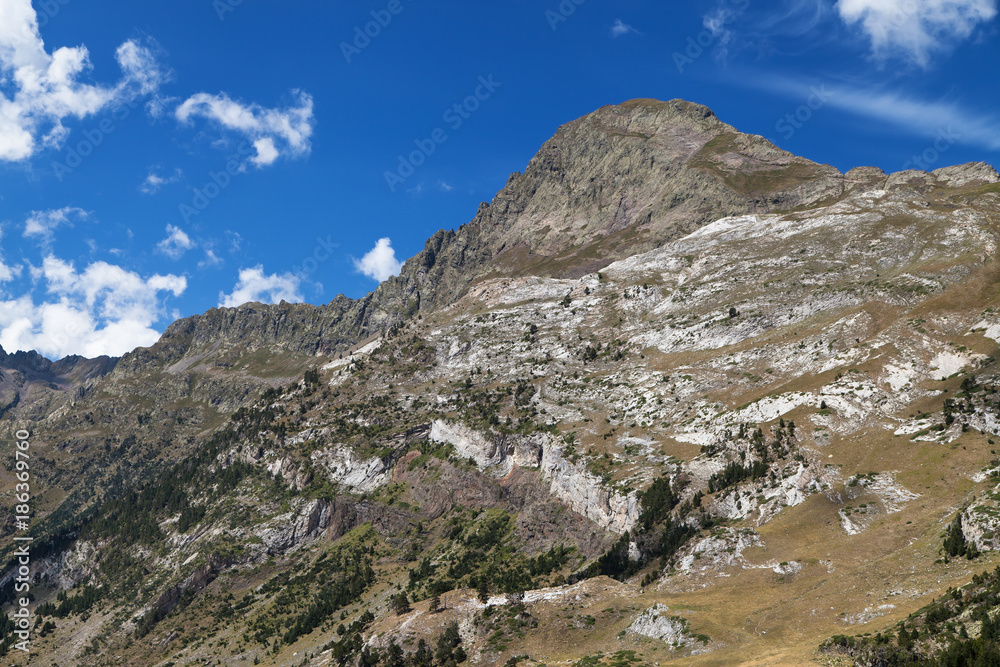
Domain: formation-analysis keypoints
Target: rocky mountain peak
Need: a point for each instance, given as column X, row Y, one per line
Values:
column 972, row 173
column 624, row 179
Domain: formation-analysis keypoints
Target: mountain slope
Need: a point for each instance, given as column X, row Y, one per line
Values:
column 717, row 422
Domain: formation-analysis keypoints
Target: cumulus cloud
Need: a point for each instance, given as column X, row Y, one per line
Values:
column 42, row 224
column 914, row 29
column 255, row 285
column 380, row 262
column 39, row 90
column 103, row 309
column 176, row 243
column 273, row 132
column 154, row 181
column 620, row 29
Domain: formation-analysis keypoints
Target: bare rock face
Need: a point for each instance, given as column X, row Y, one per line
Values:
column 656, row 624
column 973, row 173
column 583, row 492
column 580, row 490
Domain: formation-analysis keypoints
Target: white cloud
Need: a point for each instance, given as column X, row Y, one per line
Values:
column 717, row 22
column 254, row 285
column 153, row 181
column 266, row 152
column 620, row 29
column 935, row 120
column 445, row 187
column 290, row 128
column 176, row 243
column 914, row 29
column 931, row 119
column 380, row 262
column 39, row 90
column 42, row 224
column 211, row 259
column 103, row 309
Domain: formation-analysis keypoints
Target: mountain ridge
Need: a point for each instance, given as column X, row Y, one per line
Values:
column 452, row 261
column 757, row 395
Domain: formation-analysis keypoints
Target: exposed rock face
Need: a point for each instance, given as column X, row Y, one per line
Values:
column 973, row 173
column 981, row 522
column 496, row 455
column 205, row 339
column 584, row 492
column 656, row 624
column 579, row 489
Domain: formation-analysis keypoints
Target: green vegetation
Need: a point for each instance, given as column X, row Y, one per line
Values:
column 660, row 534
column 955, row 543
column 618, row 659
column 351, row 650
column 959, row 629
column 480, row 551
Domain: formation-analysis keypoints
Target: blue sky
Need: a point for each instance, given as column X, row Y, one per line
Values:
column 158, row 159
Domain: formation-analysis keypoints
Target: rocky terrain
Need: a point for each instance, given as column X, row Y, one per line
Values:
column 674, row 397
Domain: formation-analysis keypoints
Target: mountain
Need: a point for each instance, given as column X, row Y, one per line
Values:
column 675, row 396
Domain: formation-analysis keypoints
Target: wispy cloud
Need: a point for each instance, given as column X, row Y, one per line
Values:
column 273, row 132
column 620, row 29
column 42, row 224
column 211, row 259
column 740, row 25
column 380, row 262
column 915, row 29
column 928, row 118
column 154, row 181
